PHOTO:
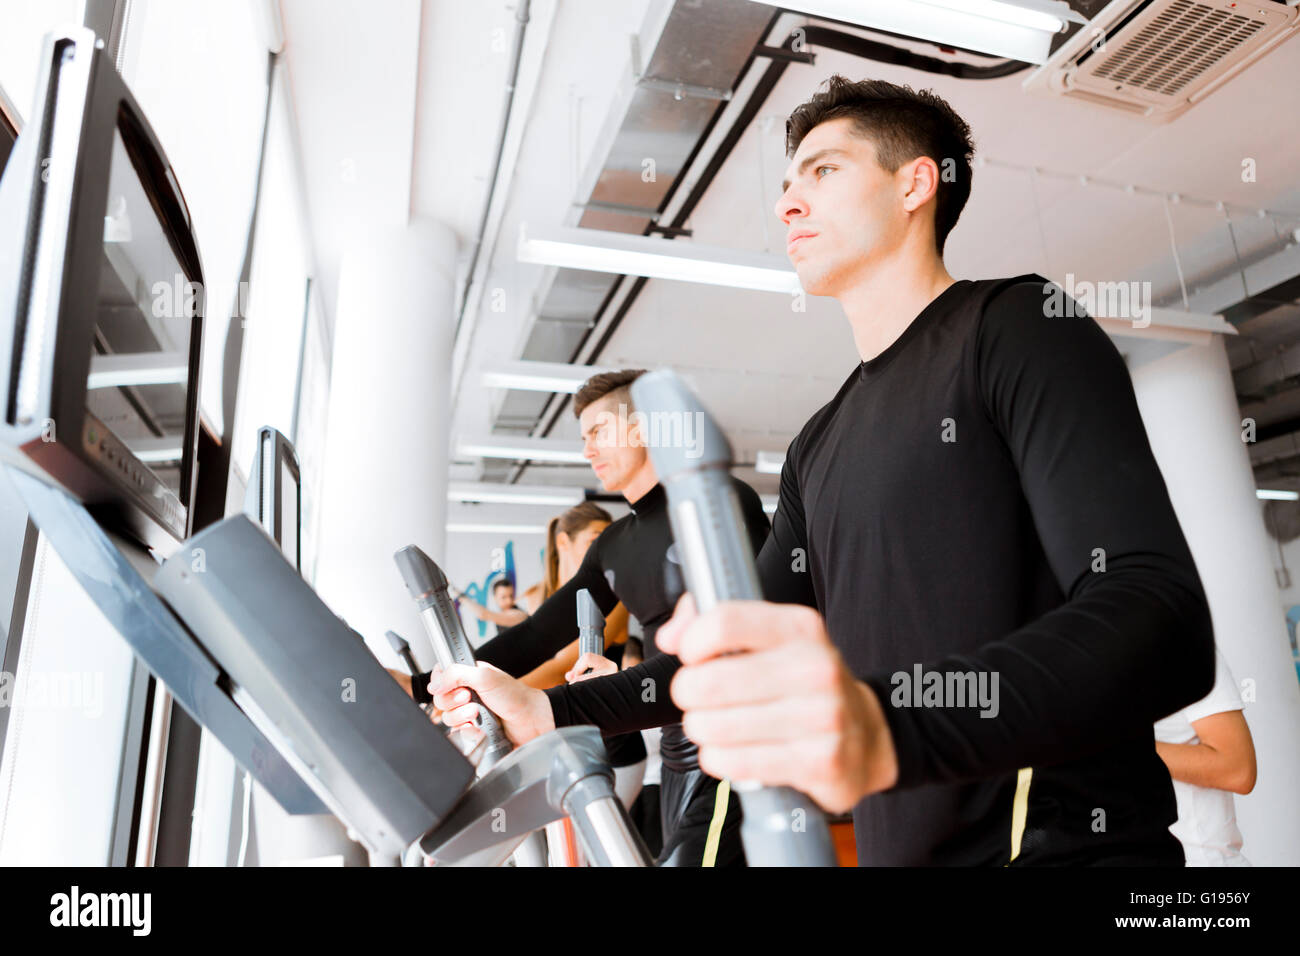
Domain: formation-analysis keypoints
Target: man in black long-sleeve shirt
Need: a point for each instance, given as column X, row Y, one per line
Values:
column 1004, row 601
column 628, row 563
column 976, row 511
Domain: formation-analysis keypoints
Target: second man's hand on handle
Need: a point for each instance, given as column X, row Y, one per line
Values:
column 590, row 665
column 524, row 712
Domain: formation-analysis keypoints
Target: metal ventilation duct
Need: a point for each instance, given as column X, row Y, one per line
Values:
column 684, row 83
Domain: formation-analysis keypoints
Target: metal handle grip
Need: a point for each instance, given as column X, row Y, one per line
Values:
column 591, row 625
column 781, row 826
column 428, row 585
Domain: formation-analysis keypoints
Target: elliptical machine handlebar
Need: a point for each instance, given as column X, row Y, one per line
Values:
column 563, row 773
column 781, row 827
column 428, row 585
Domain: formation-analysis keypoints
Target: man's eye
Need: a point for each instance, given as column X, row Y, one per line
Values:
column 820, row 168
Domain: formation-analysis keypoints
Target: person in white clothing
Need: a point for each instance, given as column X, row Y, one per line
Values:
column 1210, row 755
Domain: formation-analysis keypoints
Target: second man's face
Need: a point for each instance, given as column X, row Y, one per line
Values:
column 611, row 443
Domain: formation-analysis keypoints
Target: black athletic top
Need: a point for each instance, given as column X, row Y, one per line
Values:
column 981, row 497
column 628, row 563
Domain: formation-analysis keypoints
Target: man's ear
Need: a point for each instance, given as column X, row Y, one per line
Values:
column 920, row 182
column 635, row 434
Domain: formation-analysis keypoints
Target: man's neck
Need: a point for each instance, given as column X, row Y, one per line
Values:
column 640, row 483
column 882, row 303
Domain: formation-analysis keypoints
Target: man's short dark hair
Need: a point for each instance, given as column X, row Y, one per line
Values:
column 903, row 124
column 501, row 583
column 606, row 383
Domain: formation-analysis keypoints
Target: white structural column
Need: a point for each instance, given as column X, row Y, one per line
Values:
column 385, row 482
column 1193, row 420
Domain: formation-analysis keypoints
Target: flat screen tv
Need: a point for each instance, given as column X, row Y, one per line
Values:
column 100, row 300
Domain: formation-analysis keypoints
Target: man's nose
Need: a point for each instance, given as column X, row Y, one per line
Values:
column 790, row 206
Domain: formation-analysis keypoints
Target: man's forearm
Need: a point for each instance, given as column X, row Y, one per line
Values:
column 1129, row 650
column 635, row 699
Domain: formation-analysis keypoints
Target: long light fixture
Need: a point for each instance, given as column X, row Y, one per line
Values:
column 769, row 462
column 470, row 528
column 154, row 451
column 147, row 368
column 513, row 449
column 1267, row 494
column 490, row 493
column 539, row 376
column 1018, row 29
column 599, row 251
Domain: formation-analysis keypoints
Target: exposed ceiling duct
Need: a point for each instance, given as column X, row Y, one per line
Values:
column 672, row 103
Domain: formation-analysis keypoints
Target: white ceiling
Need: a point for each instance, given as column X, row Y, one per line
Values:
column 420, row 122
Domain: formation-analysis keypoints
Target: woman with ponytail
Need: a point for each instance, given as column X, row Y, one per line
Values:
column 568, row 536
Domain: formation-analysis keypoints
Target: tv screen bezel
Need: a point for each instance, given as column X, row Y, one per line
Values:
column 107, row 108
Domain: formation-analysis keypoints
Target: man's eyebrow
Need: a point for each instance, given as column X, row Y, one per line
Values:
column 809, row 160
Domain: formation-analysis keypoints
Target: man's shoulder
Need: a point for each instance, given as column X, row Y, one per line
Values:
column 1014, row 295
column 1030, row 316
column 744, row 490
column 598, row 552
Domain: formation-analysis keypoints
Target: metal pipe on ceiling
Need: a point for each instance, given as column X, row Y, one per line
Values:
column 512, row 78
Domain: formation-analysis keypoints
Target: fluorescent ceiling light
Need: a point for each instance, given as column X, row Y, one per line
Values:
column 769, row 462
column 1018, row 29
column 539, row 376
column 600, row 251
column 1269, row 495
column 464, row 528
column 155, row 450
column 146, row 368
column 534, row 449
column 489, row 493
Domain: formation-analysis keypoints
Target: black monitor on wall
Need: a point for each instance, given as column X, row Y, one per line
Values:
column 100, row 300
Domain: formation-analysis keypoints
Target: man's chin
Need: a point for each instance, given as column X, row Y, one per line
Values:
column 813, row 281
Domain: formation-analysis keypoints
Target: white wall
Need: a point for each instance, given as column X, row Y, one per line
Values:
column 25, row 23
column 198, row 70
column 275, row 305
column 472, row 556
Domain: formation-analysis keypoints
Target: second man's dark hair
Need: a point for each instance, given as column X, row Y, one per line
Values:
column 606, row 383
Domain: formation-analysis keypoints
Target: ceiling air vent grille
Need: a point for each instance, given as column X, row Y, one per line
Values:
column 1157, row 58
column 1179, row 45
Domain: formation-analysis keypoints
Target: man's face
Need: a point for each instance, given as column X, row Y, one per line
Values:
column 610, row 442
column 505, row 597
column 847, row 209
